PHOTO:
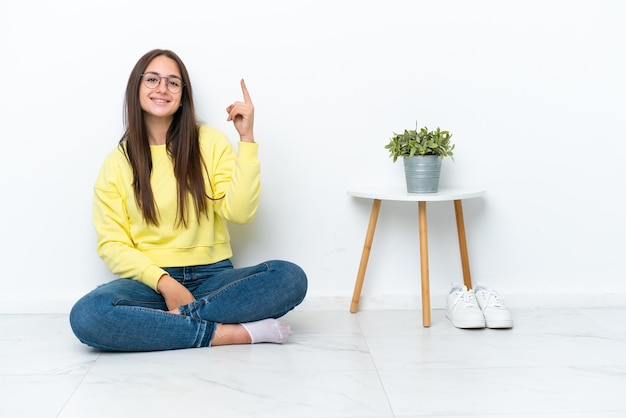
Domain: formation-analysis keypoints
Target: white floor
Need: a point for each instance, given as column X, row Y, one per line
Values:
column 553, row 363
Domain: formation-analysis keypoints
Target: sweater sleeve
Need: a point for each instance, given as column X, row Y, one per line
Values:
column 111, row 221
column 236, row 180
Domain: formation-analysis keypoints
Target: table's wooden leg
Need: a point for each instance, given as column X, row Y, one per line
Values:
column 460, row 227
column 369, row 237
column 423, row 224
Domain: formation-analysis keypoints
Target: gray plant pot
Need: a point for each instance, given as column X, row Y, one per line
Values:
column 422, row 173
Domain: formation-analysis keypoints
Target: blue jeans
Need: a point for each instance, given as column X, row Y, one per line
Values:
column 126, row 315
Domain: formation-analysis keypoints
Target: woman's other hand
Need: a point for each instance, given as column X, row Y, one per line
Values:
column 174, row 293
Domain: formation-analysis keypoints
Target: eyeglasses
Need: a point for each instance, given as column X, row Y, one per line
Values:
column 153, row 80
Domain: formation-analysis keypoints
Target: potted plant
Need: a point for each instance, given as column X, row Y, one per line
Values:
column 422, row 151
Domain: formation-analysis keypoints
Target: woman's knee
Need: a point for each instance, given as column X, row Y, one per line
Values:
column 88, row 314
column 293, row 276
column 82, row 318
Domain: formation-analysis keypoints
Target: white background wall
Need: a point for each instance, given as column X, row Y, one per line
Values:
column 533, row 91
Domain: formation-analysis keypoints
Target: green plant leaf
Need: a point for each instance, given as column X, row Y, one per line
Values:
column 420, row 141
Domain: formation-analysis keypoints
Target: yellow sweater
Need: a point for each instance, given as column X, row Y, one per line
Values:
column 132, row 249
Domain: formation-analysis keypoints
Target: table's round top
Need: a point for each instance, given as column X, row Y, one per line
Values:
column 390, row 193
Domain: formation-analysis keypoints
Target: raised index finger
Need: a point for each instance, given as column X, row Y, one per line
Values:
column 246, row 95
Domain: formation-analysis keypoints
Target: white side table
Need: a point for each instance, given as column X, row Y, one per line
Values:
column 380, row 194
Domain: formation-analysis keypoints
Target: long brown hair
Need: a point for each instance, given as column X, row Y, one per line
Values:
column 181, row 141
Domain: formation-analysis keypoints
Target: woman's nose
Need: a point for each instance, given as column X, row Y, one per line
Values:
column 162, row 84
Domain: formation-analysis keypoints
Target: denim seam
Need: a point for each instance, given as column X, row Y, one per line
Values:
column 136, row 302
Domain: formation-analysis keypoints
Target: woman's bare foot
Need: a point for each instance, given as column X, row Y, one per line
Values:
column 264, row 331
column 226, row 334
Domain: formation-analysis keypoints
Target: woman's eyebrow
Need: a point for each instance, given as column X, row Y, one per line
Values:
column 166, row 76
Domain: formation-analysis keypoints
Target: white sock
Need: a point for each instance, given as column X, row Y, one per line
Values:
column 268, row 331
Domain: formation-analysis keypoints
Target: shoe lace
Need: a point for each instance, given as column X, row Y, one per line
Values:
column 467, row 297
column 493, row 298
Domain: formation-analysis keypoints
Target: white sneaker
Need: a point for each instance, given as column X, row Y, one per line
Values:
column 462, row 309
column 496, row 314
